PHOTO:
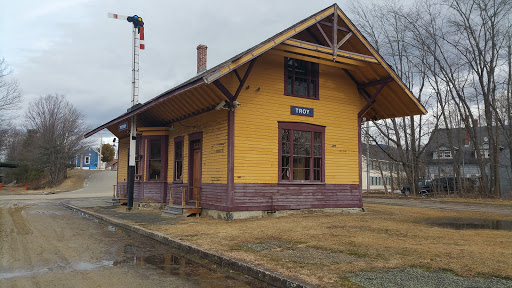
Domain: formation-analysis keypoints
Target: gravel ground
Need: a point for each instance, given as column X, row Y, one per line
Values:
column 412, row 278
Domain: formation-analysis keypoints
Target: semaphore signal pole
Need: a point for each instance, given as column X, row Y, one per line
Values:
column 138, row 28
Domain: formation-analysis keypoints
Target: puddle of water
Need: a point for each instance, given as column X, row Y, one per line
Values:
column 202, row 273
column 80, row 266
column 471, row 223
column 22, row 273
column 91, row 266
column 137, row 252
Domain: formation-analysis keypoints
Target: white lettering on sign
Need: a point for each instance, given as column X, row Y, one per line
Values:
column 302, row 111
column 294, row 110
column 123, row 126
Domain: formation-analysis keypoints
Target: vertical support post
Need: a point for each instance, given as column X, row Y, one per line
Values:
column 170, row 198
column 367, row 156
column 197, row 197
column 359, row 140
column 183, row 197
column 231, row 156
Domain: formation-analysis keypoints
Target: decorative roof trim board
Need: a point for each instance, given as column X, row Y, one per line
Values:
column 384, row 64
column 271, row 43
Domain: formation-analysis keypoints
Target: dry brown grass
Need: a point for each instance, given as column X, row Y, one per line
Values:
column 75, row 181
column 448, row 198
column 507, row 202
column 383, row 238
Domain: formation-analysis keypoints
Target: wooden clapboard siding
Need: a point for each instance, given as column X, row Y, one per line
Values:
column 122, row 169
column 257, row 196
column 214, row 147
column 256, row 122
column 213, row 195
column 137, row 192
column 151, row 191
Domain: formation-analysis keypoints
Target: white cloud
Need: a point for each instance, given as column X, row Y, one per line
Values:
column 49, row 9
column 72, row 48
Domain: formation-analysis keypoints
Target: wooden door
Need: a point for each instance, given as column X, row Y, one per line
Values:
column 196, row 174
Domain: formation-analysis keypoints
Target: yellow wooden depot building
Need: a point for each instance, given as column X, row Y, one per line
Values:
column 275, row 128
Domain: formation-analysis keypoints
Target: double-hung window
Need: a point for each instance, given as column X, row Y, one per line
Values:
column 445, row 154
column 301, row 152
column 155, row 161
column 301, row 78
column 178, row 158
column 138, row 157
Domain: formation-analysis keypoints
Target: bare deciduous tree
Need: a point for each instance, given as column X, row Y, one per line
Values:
column 457, row 51
column 10, row 98
column 464, row 41
column 10, row 92
column 389, row 36
column 60, row 129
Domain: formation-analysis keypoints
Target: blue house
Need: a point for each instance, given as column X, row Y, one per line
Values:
column 88, row 159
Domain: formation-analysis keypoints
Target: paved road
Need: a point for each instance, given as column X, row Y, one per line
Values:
column 97, row 185
column 42, row 244
column 442, row 205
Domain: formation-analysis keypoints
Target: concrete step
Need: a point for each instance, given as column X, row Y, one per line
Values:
column 170, row 213
column 176, row 210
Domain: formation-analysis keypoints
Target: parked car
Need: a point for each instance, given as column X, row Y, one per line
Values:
column 422, row 185
column 447, row 184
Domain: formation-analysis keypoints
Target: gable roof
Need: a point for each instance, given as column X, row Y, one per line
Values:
column 87, row 149
column 395, row 99
column 440, row 139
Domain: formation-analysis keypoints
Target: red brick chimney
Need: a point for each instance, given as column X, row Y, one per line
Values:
column 201, row 58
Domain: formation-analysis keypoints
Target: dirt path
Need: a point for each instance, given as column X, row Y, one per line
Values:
column 442, row 205
column 43, row 245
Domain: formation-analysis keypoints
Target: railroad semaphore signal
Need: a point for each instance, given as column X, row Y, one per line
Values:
column 138, row 43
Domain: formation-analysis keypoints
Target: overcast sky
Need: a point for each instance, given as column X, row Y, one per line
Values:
column 70, row 47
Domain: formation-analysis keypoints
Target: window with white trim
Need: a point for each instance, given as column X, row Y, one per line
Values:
column 444, row 154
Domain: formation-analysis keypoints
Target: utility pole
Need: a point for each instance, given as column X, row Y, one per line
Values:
column 138, row 28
